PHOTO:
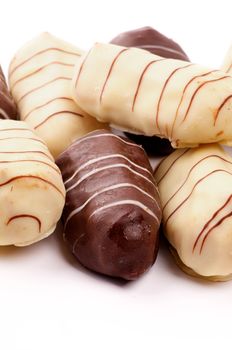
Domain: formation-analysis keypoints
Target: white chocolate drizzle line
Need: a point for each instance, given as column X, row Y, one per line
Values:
column 113, row 187
column 95, row 171
column 92, row 161
column 4, row 114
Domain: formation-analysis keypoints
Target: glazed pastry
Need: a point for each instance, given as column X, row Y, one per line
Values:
column 195, row 187
column 186, row 103
column 151, row 40
column 227, row 64
column 40, row 76
column 32, row 193
column 7, row 106
column 112, row 212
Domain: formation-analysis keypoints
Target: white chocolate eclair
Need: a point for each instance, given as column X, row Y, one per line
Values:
column 40, row 75
column 195, row 187
column 144, row 93
column 32, row 193
column 227, row 64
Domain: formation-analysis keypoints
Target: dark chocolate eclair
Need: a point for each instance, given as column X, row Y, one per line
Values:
column 8, row 108
column 151, row 40
column 112, row 213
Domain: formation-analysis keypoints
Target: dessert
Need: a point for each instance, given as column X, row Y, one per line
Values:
column 195, row 190
column 32, row 193
column 143, row 93
column 7, row 106
column 227, row 64
column 40, row 76
column 112, row 212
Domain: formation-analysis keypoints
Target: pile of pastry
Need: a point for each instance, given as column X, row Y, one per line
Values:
column 62, row 104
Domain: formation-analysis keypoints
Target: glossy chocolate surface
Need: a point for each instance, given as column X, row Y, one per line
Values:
column 7, row 106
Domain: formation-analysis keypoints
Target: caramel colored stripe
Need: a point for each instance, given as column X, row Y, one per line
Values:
column 23, row 138
column 25, row 216
column 216, row 225
column 190, row 171
column 30, row 160
column 163, row 89
column 197, row 90
column 110, row 71
column 31, row 177
column 220, row 108
column 55, row 114
column 40, row 53
column 81, row 68
column 22, row 152
column 209, row 222
column 171, row 165
column 41, row 86
column 39, row 70
column 141, row 79
column 45, row 104
column 196, row 184
column 183, row 94
column 15, row 129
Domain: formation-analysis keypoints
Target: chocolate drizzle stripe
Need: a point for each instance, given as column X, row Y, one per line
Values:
column 196, row 184
column 56, row 114
column 112, row 166
column 113, row 187
column 95, row 160
column 22, row 152
column 81, row 68
column 30, row 160
column 171, row 165
column 140, row 81
column 109, row 72
column 23, row 138
column 212, row 228
column 125, row 202
column 47, row 103
column 31, row 177
column 16, row 129
column 190, row 171
column 25, row 216
column 39, row 70
column 197, row 90
column 40, row 53
column 163, row 89
column 220, row 107
column 41, row 86
column 183, row 94
column 208, row 223
column 107, row 135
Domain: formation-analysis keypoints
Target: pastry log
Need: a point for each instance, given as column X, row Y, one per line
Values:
column 195, row 187
column 32, row 193
column 40, row 75
column 144, row 93
column 112, row 212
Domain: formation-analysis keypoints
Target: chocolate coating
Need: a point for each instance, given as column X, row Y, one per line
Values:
column 112, row 212
column 153, row 41
column 8, row 108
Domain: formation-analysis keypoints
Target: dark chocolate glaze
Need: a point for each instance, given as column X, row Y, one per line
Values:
column 112, row 213
column 153, row 41
column 8, row 108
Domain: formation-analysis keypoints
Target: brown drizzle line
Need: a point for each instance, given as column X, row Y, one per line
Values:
column 81, row 68
column 57, row 113
column 185, row 200
column 110, row 71
column 23, row 138
column 39, row 70
column 30, row 160
column 19, row 152
column 208, row 223
column 190, row 171
column 41, row 86
column 140, row 81
column 45, row 104
column 25, row 216
column 220, row 107
column 39, row 53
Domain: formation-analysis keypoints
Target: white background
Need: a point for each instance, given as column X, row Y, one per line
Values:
column 47, row 301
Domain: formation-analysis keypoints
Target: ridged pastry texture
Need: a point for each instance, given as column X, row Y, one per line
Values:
column 8, row 108
column 112, row 212
column 144, row 93
column 195, row 187
column 40, row 75
column 32, row 193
